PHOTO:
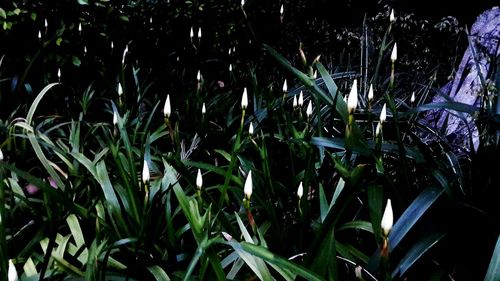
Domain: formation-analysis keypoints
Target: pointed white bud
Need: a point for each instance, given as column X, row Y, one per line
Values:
column 166, row 108
column 230, row 67
column 247, row 189
column 145, row 172
column 1, row 155
column 115, row 118
column 120, row 89
column 191, row 33
column 352, row 100
column 300, row 191
column 412, row 99
column 203, row 109
column 112, row 45
column 387, row 219
column 315, row 74
column 250, row 129
column 12, row 275
column 285, row 87
column 234, row 49
column 383, row 114
column 198, row 76
column 199, row 33
column 282, row 10
column 242, row 3
column 59, row 74
column 309, row 110
column 294, row 103
column 378, row 129
column 151, row 20
column 394, row 54
column 80, row 27
column 85, row 49
column 244, row 99
column 392, row 18
column 229, row 51
column 301, row 99
column 199, row 180
column 46, row 24
column 370, row 93
column 39, row 34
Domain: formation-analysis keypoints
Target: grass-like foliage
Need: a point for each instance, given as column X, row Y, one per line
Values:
column 331, row 176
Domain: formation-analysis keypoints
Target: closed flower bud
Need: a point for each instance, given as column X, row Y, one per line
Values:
column 167, row 109
column 59, row 74
column 145, row 173
column 1, row 155
column 242, row 3
column 244, row 99
column 309, row 110
column 198, row 76
column 203, row 109
column 392, row 18
column 294, row 103
column 301, row 99
column 250, row 129
column 300, row 191
column 285, row 87
column 12, row 275
column 383, row 114
column 370, row 93
column 247, row 189
column 352, row 100
column 378, row 129
column 387, row 219
column 39, row 34
column 199, row 33
column 282, row 10
column 191, row 33
column 79, row 27
column 120, row 89
column 115, row 118
column 412, row 99
column 199, row 180
column 394, row 54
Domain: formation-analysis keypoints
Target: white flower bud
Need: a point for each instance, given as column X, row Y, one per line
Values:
column 145, row 172
column 301, row 99
column 285, row 87
column 199, row 33
column 199, row 180
column 80, row 27
column 315, row 74
column 250, row 129
column 198, row 76
column 1, row 155
column 203, row 109
column 191, row 33
column 242, row 3
column 378, row 129
column 46, row 24
column 387, row 219
column 12, row 275
column 244, row 99
column 39, row 34
column 59, row 74
column 352, row 100
column 383, row 114
column 282, row 10
column 247, row 189
column 294, row 103
column 120, row 89
column 394, row 54
column 370, row 93
column 392, row 18
column 230, row 67
column 167, row 110
column 309, row 110
column 115, row 118
column 412, row 99
column 300, row 191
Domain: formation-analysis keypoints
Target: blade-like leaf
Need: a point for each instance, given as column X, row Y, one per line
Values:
column 493, row 273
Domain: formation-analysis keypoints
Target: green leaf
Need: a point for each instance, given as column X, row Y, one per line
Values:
column 493, row 272
column 325, row 262
column 76, row 230
column 270, row 257
column 59, row 41
column 375, row 205
column 416, row 252
column 76, row 61
column 359, row 225
column 3, row 14
column 83, row 2
column 106, row 186
column 158, row 273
